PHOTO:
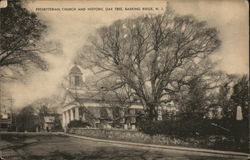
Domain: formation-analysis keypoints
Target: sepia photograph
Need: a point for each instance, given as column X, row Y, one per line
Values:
column 124, row 80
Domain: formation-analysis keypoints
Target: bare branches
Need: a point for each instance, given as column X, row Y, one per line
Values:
column 146, row 52
column 20, row 36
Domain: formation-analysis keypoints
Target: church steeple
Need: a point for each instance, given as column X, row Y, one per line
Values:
column 75, row 77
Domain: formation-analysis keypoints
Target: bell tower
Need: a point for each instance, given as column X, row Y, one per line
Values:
column 75, row 78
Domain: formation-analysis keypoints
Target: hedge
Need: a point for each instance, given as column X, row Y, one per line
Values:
column 190, row 128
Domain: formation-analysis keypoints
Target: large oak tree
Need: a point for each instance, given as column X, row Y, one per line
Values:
column 148, row 53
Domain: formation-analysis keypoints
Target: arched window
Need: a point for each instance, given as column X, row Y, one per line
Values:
column 77, row 80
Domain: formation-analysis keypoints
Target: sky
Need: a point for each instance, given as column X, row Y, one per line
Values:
column 72, row 28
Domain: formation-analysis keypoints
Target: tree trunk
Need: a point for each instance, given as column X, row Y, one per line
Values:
column 151, row 112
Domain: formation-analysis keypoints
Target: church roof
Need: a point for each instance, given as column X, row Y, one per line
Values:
column 98, row 97
column 94, row 96
column 75, row 69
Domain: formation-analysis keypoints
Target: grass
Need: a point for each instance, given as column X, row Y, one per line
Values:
column 52, row 147
column 207, row 142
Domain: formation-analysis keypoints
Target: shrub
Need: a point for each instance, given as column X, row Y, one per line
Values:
column 78, row 124
column 193, row 127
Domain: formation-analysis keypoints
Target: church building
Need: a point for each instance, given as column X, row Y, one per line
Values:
column 98, row 109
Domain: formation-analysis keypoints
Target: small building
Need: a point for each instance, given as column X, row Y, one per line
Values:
column 5, row 120
column 49, row 123
column 52, row 122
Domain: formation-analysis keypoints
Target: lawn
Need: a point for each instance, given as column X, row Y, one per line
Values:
column 59, row 147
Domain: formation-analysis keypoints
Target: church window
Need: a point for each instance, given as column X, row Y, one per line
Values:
column 77, row 80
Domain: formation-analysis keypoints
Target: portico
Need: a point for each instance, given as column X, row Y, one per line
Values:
column 70, row 114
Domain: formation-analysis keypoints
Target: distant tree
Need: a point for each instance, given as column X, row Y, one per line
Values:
column 20, row 34
column 223, row 97
column 195, row 102
column 146, row 53
column 43, row 111
column 240, row 96
column 194, row 92
column 49, row 104
column 26, row 119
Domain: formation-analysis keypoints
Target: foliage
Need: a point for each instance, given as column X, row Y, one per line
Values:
column 240, row 96
column 58, row 125
column 27, row 120
column 20, row 34
column 223, row 98
column 78, row 123
column 214, row 142
column 43, row 111
column 30, row 117
column 193, row 127
column 148, row 53
column 104, row 114
column 194, row 102
column 47, row 107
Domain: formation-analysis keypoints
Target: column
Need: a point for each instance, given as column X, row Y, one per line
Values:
column 67, row 117
column 71, row 115
column 83, row 116
column 77, row 113
column 63, row 120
